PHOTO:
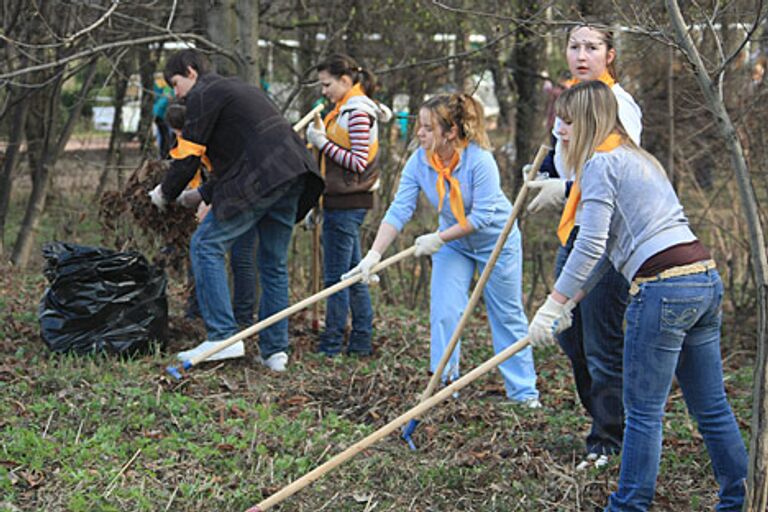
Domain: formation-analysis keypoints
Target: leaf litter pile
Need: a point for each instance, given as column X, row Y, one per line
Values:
column 104, row 434
column 130, row 220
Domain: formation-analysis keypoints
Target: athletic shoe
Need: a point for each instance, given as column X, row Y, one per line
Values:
column 231, row 352
column 598, row 461
column 276, row 362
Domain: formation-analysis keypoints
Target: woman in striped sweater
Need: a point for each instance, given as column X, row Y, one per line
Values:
column 348, row 144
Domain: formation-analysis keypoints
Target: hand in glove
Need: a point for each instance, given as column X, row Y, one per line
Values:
column 311, row 219
column 189, row 198
column 157, row 198
column 427, row 245
column 551, row 195
column 552, row 318
column 316, row 135
column 364, row 268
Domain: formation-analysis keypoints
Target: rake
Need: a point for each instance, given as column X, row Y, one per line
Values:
column 280, row 315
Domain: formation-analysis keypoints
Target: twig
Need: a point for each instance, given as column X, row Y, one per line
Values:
column 79, row 431
column 113, row 483
column 48, row 424
column 173, row 496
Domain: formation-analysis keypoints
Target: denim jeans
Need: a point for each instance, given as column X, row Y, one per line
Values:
column 452, row 271
column 673, row 329
column 242, row 262
column 271, row 220
column 341, row 252
column 594, row 345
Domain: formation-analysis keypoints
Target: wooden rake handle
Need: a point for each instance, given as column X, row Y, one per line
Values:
column 255, row 328
column 478, row 291
column 390, row 427
column 304, row 121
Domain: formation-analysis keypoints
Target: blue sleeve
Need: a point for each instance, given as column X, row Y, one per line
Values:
column 598, row 199
column 402, row 207
column 486, row 188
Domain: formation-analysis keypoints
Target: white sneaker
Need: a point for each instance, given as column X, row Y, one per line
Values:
column 593, row 459
column 531, row 403
column 276, row 362
column 231, row 352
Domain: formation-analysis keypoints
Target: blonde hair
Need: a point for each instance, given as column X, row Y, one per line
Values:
column 464, row 112
column 592, row 110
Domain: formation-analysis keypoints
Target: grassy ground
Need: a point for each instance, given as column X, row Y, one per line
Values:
column 84, row 434
column 103, row 434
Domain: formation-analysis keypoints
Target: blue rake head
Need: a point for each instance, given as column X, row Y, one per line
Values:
column 408, row 431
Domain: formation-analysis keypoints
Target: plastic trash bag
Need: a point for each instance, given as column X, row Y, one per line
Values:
column 101, row 300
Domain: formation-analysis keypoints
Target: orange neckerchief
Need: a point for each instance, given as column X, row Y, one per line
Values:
column 185, row 148
column 443, row 175
column 568, row 219
column 356, row 90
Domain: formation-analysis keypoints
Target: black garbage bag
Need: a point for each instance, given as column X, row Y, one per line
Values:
column 101, row 300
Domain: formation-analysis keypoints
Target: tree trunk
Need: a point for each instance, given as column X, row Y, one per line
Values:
column 121, row 86
column 221, row 27
column 248, row 49
column 147, row 63
column 757, row 478
column 16, row 136
column 40, row 130
column 526, row 61
column 43, row 160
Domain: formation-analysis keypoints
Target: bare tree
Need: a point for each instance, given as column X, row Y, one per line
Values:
column 757, row 482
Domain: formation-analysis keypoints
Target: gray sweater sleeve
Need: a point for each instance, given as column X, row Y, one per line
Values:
column 588, row 259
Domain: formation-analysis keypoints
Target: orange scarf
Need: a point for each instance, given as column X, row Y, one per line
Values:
column 568, row 219
column 185, row 148
column 356, row 90
column 443, row 175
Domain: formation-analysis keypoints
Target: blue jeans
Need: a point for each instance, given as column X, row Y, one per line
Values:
column 341, row 252
column 673, row 329
column 452, row 272
column 594, row 345
column 271, row 220
column 242, row 263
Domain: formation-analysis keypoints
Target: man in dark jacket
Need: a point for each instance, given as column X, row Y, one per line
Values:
column 264, row 180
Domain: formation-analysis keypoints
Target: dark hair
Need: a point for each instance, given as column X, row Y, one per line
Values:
column 176, row 115
column 464, row 112
column 606, row 31
column 181, row 61
column 338, row 65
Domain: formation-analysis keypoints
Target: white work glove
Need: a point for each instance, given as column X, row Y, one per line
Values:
column 552, row 318
column 551, row 195
column 364, row 268
column 311, row 219
column 157, row 198
column 316, row 136
column 427, row 245
column 190, row 198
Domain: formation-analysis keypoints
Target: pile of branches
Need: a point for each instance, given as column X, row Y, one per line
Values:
column 130, row 219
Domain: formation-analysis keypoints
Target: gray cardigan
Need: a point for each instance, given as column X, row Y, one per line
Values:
column 628, row 212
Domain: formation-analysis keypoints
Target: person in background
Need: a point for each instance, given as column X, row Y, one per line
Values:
column 457, row 173
column 594, row 343
column 264, row 180
column 631, row 219
column 163, row 95
column 348, row 143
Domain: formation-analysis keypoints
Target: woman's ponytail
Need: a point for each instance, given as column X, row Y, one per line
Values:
column 339, row 65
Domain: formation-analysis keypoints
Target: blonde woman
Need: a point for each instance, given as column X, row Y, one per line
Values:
column 455, row 170
column 632, row 220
